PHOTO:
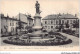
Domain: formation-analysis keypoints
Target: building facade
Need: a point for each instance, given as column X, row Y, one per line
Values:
column 25, row 18
column 54, row 22
column 8, row 25
column 11, row 26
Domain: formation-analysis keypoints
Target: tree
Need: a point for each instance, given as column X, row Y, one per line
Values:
column 77, row 23
column 61, row 27
column 20, row 25
column 51, row 32
column 28, row 27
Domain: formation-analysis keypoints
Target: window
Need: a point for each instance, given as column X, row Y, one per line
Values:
column 12, row 29
column 77, row 20
column 56, row 22
column 62, row 21
column 51, row 27
column 59, row 21
column 67, row 21
column 10, row 22
column 74, row 21
column 45, row 22
column 13, row 23
column 51, row 22
column 45, row 26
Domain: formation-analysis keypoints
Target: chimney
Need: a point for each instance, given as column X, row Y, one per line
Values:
column 59, row 14
column 75, row 15
column 67, row 13
column 63, row 13
column 13, row 17
column 7, row 15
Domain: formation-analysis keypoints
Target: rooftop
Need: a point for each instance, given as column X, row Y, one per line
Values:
column 59, row 16
column 68, row 16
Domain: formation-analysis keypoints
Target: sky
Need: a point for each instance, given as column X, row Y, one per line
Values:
column 13, row 7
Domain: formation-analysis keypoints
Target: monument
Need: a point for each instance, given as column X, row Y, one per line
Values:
column 37, row 17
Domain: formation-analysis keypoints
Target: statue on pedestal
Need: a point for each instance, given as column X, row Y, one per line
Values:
column 37, row 7
column 37, row 17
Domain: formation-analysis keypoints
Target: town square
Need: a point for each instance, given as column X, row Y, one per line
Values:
column 51, row 30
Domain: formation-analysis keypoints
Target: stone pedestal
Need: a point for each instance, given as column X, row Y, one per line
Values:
column 37, row 21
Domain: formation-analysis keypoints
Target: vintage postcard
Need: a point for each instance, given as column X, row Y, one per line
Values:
column 39, row 25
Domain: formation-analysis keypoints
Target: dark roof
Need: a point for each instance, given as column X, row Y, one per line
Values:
column 29, row 17
column 50, row 17
column 23, row 22
column 9, row 18
column 66, row 16
column 13, row 19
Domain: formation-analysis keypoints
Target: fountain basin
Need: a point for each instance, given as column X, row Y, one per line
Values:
column 39, row 41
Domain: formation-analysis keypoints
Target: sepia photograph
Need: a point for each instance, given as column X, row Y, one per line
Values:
column 49, row 24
